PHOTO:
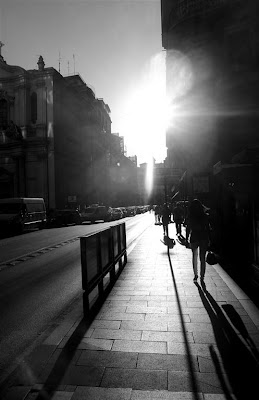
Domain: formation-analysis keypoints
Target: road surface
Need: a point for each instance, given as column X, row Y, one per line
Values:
column 40, row 277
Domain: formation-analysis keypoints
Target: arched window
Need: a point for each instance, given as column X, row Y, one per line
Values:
column 33, row 108
column 3, row 114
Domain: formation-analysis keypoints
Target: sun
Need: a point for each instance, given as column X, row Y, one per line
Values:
column 147, row 113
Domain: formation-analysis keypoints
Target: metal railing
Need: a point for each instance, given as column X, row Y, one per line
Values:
column 103, row 257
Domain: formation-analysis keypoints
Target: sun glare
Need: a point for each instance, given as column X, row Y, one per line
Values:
column 146, row 113
column 149, row 176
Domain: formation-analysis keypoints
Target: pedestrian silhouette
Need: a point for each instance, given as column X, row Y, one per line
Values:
column 166, row 218
column 178, row 217
column 198, row 228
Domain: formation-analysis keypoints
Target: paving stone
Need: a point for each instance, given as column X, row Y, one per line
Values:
column 167, row 317
column 113, row 316
column 190, row 299
column 103, row 324
column 146, row 310
column 78, row 375
column 161, row 297
column 108, row 359
column 213, row 396
column 113, row 308
column 237, row 306
column 204, row 337
column 144, row 325
column 167, row 303
column 116, row 297
column 116, row 334
column 92, row 344
column 246, row 319
column 166, row 336
column 195, row 349
column 206, row 364
column 132, row 292
column 135, row 379
column 196, row 327
column 142, row 303
column 176, row 326
column 199, row 318
column 98, row 393
column 139, row 346
column 206, row 383
column 170, row 362
column 125, row 283
column 195, row 303
column 156, row 292
column 164, row 395
column 194, row 311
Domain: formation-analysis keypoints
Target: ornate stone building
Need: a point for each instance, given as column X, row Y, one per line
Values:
column 55, row 136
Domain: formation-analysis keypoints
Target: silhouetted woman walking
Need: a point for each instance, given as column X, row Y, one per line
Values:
column 198, row 229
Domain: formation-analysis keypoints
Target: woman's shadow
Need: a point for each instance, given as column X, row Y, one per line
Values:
column 239, row 355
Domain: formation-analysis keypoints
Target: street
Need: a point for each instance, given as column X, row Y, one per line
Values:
column 36, row 290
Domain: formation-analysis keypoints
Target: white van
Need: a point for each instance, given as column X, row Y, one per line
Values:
column 21, row 214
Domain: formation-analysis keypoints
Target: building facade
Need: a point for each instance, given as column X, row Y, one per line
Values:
column 212, row 58
column 55, row 137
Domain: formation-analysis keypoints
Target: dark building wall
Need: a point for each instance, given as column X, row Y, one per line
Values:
column 212, row 77
column 80, row 151
column 212, row 59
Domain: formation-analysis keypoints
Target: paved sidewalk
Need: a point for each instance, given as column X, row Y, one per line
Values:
column 157, row 336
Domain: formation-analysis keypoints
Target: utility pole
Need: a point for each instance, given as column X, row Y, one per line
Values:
column 59, row 59
column 74, row 64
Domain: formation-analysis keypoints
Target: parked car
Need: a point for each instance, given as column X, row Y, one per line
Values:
column 20, row 214
column 139, row 210
column 57, row 218
column 124, row 211
column 97, row 213
column 116, row 214
column 131, row 211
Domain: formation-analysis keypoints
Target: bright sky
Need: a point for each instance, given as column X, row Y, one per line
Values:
column 118, row 52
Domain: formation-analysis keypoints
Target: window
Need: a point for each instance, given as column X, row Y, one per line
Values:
column 3, row 114
column 34, row 108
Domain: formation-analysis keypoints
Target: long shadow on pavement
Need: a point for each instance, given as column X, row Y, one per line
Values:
column 61, row 365
column 193, row 380
column 238, row 354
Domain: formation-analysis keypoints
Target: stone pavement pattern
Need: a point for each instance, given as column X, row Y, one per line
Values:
column 157, row 336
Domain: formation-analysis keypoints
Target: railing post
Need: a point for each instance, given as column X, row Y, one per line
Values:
column 99, row 263
column 86, row 305
column 113, row 275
